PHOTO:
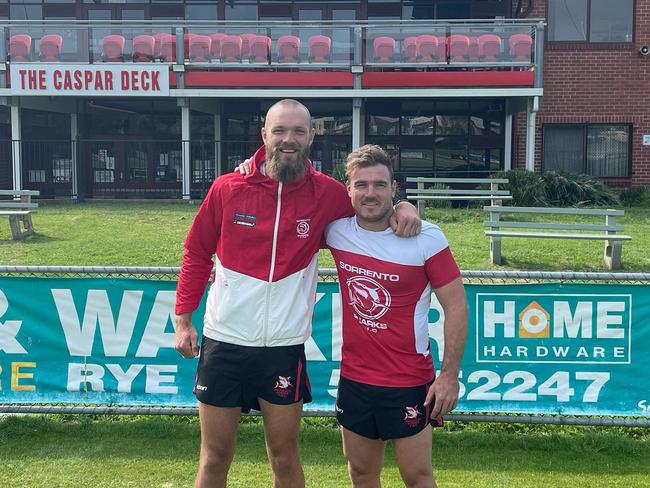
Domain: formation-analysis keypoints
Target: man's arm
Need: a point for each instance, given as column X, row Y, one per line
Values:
column 445, row 388
column 200, row 246
column 405, row 220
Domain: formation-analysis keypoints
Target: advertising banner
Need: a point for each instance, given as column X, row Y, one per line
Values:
column 580, row 349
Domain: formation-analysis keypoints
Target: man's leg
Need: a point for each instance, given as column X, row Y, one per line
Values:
column 218, row 436
column 365, row 459
column 281, row 429
column 413, row 456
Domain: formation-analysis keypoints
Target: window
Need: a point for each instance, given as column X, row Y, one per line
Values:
column 590, row 20
column 597, row 150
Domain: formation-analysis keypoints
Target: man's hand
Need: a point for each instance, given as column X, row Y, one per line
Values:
column 186, row 337
column 244, row 168
column 445, row 390
column 405, row 221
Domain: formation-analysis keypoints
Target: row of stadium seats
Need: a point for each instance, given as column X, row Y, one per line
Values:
column 256, row 48
column 428, row 48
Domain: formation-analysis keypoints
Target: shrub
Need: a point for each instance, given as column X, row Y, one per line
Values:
column 438, row 203
column 638, row 196
column 526, row 188
column 570, row 190
column 553, row 189
column 338, row 173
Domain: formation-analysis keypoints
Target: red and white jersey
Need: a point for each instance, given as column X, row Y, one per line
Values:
column 386, row 283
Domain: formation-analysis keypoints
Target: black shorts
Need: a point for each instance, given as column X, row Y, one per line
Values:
column 229, row 375
column 380, row 412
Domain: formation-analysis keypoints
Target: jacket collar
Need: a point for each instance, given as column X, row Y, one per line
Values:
column 256, row 176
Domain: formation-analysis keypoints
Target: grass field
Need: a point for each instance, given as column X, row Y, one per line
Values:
column 60, row 451
column 151, row 234
column 81, row 451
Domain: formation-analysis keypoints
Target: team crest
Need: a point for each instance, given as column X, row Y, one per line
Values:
column 283, row 386
column 368, row 298
column 412, row 416
column 302, row 228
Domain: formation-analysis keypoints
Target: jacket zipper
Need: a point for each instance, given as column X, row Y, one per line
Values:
column 276, row 228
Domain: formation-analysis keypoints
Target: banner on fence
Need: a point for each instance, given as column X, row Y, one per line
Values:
column 532, row 348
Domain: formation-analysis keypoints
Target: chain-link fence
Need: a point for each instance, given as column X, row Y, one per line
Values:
column 329, row 275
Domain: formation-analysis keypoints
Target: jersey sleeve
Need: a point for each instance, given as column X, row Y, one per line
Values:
column 200, row 246
column 439, row 263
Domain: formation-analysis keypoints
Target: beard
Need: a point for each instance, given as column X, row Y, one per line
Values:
column 286, row 167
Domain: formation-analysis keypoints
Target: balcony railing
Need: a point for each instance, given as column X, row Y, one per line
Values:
column 280, row 45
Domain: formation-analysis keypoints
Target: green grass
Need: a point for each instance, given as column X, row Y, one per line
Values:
column 151, row 234
column 75, row 451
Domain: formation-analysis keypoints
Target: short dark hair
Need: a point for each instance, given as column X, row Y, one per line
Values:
column 368, row 155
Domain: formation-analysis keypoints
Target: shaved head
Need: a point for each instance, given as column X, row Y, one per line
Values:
column 287, row 135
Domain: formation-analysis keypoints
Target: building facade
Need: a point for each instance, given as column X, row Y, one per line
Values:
column 104, row 99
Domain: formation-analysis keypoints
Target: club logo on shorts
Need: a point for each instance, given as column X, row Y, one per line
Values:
column 302, row 228
column 412, row 416
column 283, row 386
column 368, row 298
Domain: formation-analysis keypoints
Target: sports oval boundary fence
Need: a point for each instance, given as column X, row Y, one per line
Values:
column 329, row 275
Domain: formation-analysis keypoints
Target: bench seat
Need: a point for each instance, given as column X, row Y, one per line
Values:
column 19, row 210
column 421, row 194
column 574, row 230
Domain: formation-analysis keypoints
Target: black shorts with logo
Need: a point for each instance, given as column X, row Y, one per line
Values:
column 229, row 375
column 381, row 412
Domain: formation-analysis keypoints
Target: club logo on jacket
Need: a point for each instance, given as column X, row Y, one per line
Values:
column 412, row 416
column 283, row 386
column 302, row 228
column 242, row 218
column 369, row 299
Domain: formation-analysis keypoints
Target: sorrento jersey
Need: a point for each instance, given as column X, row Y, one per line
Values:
column 386, row 283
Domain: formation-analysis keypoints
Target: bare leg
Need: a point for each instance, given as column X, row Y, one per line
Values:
column 281, row 430
column 218, row 436
column 413, row 456
column 365, row 459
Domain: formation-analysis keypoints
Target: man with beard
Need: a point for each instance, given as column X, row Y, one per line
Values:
column 266, row 229
column 387, row 388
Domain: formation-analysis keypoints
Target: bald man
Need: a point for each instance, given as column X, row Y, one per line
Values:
column 264, row 230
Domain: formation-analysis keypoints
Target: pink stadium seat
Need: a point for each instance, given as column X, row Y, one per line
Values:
column 113, row 48
column 50, row 47
column 384, row 49
column 167, row 48
column 458, row 48
column 200, row 47
column 186, row 43
column 231, row 49
column 260, row 49
column 288, row 49
column 520, row 47
column 472, row 53
column 409, row 50
column 215, row 47
column 442, row 53
column 320, row 48
column 143, row 48
column 156, row 47
column 489, row 47
column 246, row 39
column 426, row 48
column 20, row 47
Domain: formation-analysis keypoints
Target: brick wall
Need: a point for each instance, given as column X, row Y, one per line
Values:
column 595, row 84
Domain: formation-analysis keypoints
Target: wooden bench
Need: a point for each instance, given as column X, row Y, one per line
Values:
column 608, row 230
column 19, row 210
column 421, row 193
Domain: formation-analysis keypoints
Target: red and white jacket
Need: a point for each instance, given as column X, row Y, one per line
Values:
column 266, row 237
